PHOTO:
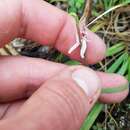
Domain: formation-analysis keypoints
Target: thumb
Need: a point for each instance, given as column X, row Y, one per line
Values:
column 62, row 103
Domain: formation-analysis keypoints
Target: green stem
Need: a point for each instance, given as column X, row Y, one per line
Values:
column 92, row 116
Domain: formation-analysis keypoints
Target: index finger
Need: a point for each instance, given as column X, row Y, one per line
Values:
column 41, row 22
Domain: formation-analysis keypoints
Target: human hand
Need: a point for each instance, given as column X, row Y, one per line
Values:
column 36, row 94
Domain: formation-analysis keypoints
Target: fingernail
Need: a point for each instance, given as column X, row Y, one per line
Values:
column 87, row 80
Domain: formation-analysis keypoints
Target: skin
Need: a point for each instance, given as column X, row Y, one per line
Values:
column 28, row 95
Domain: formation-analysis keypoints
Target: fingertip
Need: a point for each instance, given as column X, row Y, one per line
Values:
column 115, row 88
column 96, row 48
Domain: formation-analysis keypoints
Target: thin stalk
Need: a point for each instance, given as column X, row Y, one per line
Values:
column 106, row 12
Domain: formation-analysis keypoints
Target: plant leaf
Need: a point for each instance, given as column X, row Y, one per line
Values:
column 129, row 70
column 115, row 49
column 115, row 89
column 124, row 67
column 117, row 63
column 92, row 116
column 72, row 62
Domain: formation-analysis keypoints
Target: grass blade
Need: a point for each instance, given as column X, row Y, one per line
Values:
column 73, row 62
column 115, row 89
column 97, row 26
column 129, row 70
column 106, row 12
column 92, row 116
column 117, row 63
column 115, row 49
column 123, row 68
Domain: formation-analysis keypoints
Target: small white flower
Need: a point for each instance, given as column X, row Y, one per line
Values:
column 83, row 47
column 80, row 42
column 75, row 45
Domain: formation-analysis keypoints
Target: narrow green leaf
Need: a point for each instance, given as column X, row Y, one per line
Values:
column 115, row 89
column 107, row 11
column 110, row 4
column 115, row 49
column 75, row 16
column 92, row 116
column 129, row 70
column 97, row 26
column 117, row 63
column 72, row 62
column 105, row 4
column 123, row 68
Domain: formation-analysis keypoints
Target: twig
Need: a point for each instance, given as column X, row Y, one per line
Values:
column 106, row 12
column 87, row 11
column 3, row 52
column 11, row 50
